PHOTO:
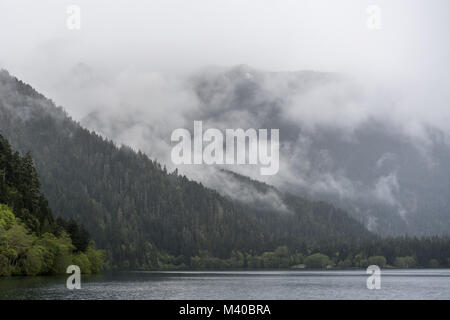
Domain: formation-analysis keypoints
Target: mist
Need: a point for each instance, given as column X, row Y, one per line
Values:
column 409, row 52
column 136, row 71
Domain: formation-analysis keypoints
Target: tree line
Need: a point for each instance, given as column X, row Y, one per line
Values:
column 399, row 252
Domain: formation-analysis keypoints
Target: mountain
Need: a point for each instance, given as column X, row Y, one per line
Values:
column 340, row 142
column 346, row 141
column 142, row 215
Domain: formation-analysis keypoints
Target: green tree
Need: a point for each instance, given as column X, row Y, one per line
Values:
column 80, row 259
column 96, row 259
column 379, row 261
column 405, row 262
column 433, row 263
column 33, row 262
column 317, row 261
column 360, row 260
column 7, row 219
column 345, row 264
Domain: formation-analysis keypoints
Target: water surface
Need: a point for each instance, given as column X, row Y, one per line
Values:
column 290, row 285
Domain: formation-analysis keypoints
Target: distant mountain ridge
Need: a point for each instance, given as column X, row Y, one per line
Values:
column 392, row 182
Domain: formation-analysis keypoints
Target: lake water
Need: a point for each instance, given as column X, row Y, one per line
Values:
column 240, row 285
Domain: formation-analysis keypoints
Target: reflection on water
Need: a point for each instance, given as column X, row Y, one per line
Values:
column 395, row 284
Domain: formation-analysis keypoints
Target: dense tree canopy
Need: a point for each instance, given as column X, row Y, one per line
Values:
column 31, row 240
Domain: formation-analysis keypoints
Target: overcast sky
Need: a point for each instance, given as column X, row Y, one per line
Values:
column 267, row 34
column 411, row 51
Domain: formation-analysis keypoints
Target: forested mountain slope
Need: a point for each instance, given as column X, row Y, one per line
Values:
column 135, row 209
column 342, row 138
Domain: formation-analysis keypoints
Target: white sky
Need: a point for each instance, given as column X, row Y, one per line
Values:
column 411, row 50
column 267, row 34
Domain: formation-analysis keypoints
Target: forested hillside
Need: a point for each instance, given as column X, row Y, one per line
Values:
column 134, row 208
column 31, row 240
column 390, row 177
column 147, row 218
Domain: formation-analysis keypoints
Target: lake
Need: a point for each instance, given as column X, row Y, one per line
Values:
column 240, row 285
